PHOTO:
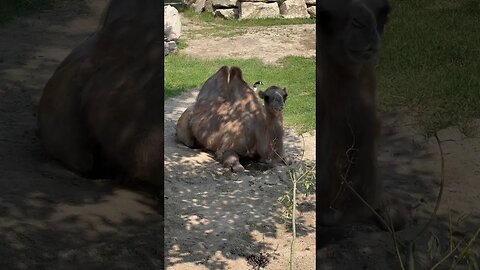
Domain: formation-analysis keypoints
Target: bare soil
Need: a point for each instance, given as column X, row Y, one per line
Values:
column 411, row 170
column 269, row 44
column 215, row 219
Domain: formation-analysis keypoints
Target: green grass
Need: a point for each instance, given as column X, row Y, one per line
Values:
column 297, row 74
column 431, row 62
column 209, row 18
column 12, row 8
column 222, row 31
column 181, row 43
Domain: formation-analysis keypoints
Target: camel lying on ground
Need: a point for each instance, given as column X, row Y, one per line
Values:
column 101, row 113
column 229, row 120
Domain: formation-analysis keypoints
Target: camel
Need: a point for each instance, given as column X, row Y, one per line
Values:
column 229, row 120
column 101, row 113
column 348, row 44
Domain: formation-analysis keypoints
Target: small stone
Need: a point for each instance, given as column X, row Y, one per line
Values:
column 170, row 47
column 312, row 11
column 229, row 13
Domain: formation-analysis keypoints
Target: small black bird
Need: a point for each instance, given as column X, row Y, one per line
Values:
column 256, row 84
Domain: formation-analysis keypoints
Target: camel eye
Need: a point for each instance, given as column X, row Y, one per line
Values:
column 356, row 23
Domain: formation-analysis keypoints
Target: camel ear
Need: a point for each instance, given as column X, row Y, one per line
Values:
column 286, row 94
column 261, row 94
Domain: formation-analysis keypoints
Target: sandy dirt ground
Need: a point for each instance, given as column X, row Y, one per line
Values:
column 215, row 219
column 49, row 217
column 269, row 44
column 410, row 168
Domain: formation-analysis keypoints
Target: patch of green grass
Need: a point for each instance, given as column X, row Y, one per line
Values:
column 431, row 62
column 297, row 74
column 222, row 31
column 12, row 8
column 210, row 18
column 181, row 44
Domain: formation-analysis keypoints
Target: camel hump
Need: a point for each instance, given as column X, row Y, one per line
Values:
column 236, row 73
column 223, row 74
column 224, row 69
column 117, row 10
column 215, row 86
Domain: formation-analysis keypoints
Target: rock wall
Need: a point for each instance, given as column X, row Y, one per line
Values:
column 172, row 27
column 255, row 9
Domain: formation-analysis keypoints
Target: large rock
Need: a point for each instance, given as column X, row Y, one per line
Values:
column 312, row 11
column 224, row 3
column 294, row 9
column 310, row 2
column 199, row 5
column 172, row 26
column 257, row 10
column 209, row 5
column 229, row 13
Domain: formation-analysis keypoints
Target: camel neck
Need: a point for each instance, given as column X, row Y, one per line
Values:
column 344, row 79
column 274, row 124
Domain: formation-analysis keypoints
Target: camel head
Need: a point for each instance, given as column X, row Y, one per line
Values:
column 274, row 98
column 351, row 30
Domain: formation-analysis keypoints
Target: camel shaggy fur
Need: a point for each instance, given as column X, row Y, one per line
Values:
column 229, row 120
column 101, row 113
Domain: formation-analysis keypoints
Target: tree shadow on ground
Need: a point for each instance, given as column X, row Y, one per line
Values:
column 215, row 218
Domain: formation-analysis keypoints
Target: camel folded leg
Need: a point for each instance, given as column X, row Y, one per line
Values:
column 231, row 160
column 184, row 129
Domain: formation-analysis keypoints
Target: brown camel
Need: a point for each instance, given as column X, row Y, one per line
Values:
column 101, row 113
column 229, row 120
column 348, row 44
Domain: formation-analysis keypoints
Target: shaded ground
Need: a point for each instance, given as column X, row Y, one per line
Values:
column 215, row 219
column 49, row 217
column 410, row 167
